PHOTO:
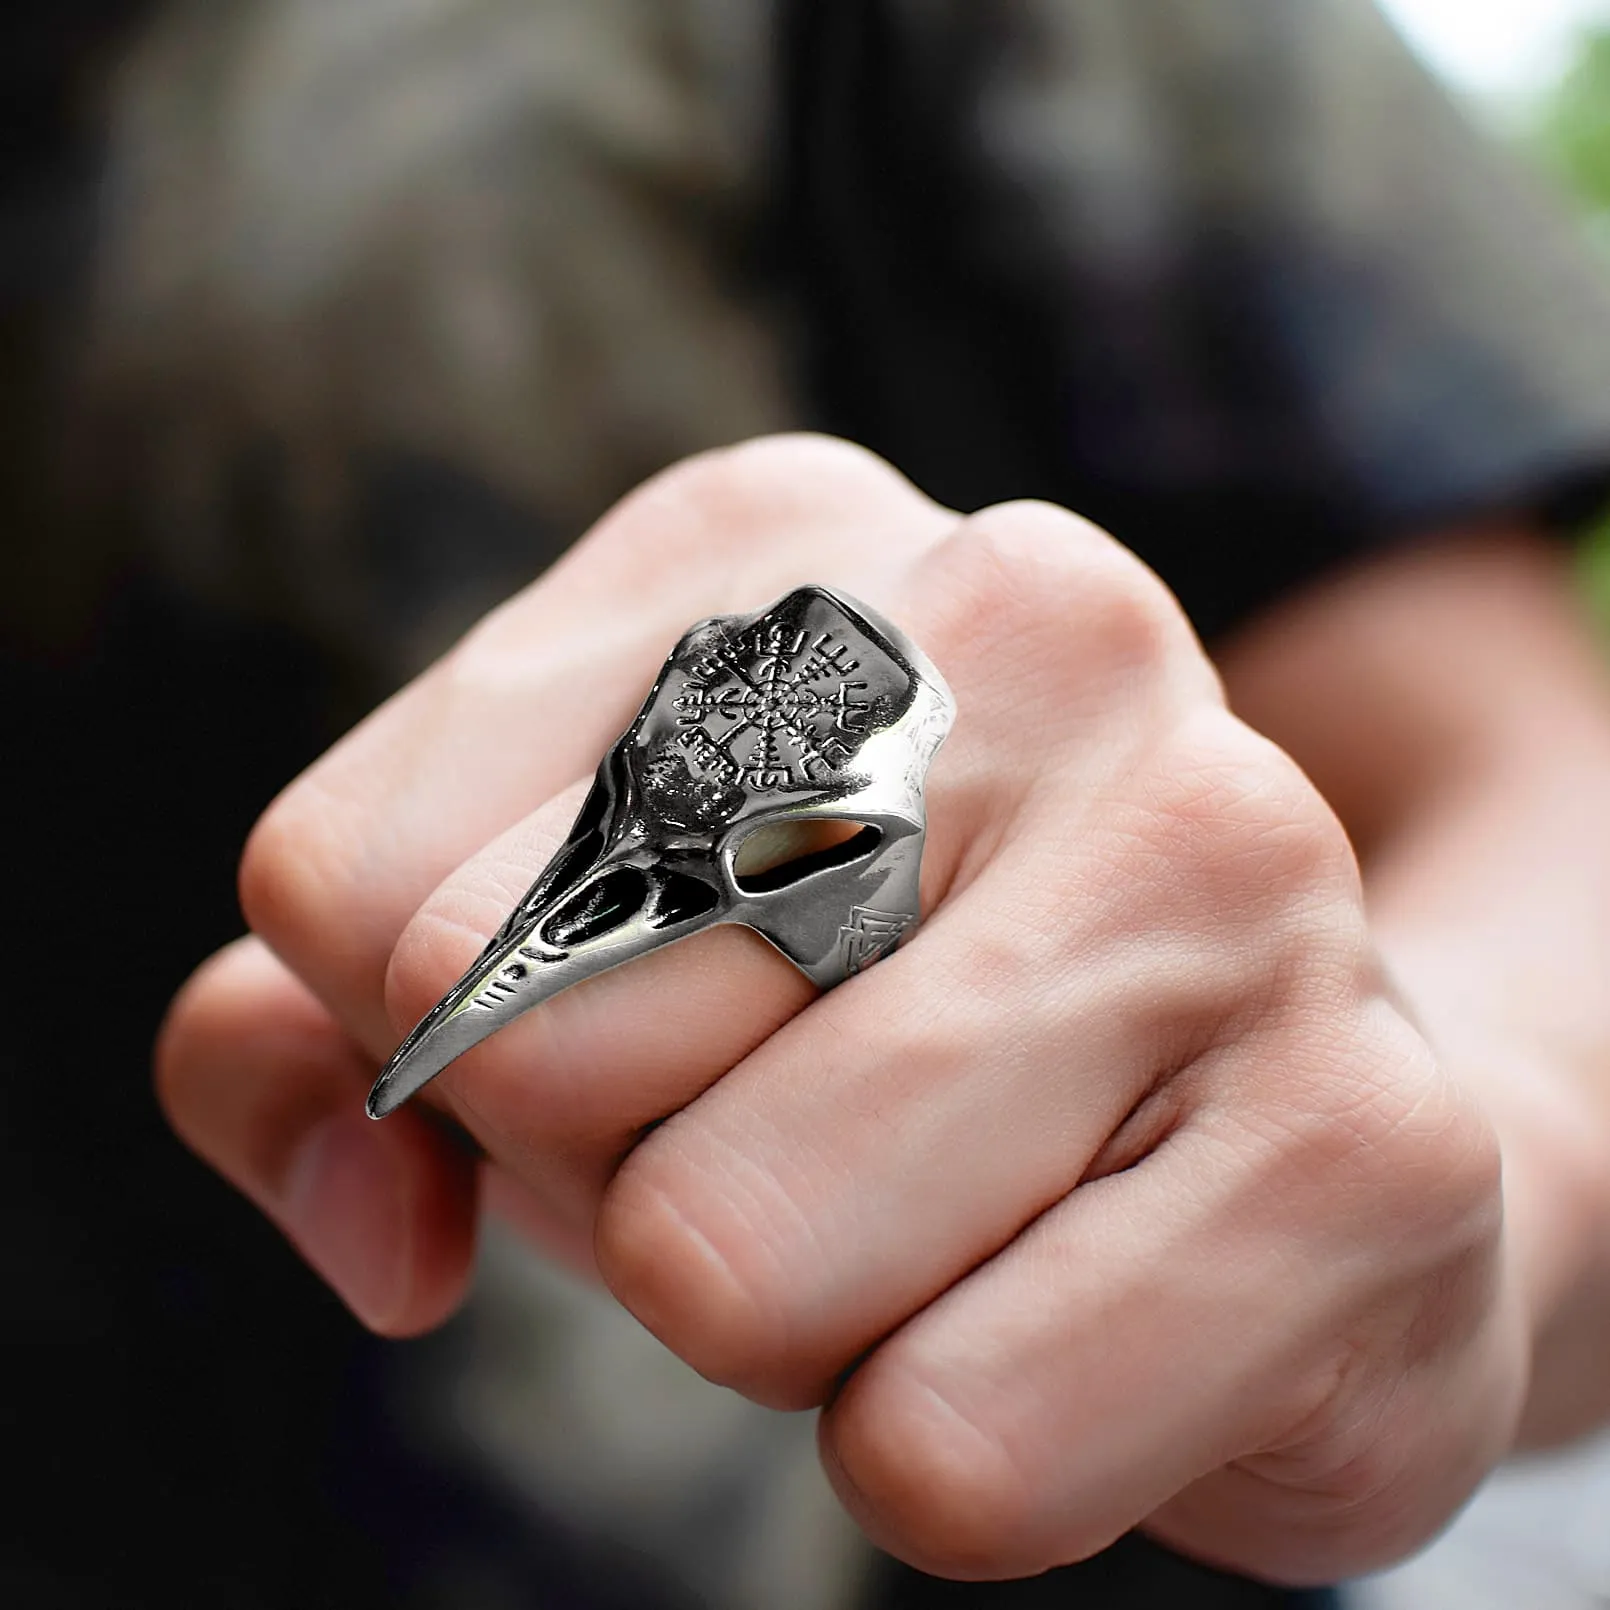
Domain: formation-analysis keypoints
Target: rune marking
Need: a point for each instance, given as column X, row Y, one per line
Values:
column 870, row 935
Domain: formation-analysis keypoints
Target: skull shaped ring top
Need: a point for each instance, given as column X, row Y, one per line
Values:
column 774, row 777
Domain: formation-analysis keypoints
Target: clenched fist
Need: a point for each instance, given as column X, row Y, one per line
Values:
column 1125, row 1192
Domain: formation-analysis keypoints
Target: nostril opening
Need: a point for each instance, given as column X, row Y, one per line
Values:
column 591, row 816
column 781, row 853
column 583, row 846
column 599, row 909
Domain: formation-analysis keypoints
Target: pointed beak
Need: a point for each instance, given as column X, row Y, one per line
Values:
column 505, row 981
column 582, row 932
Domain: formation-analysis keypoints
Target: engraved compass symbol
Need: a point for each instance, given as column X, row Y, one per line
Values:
column 774, row 708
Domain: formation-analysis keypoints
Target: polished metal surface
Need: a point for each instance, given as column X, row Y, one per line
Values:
column 774, row 777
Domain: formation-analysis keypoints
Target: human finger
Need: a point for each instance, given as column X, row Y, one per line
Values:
column 259, row 1079
column 531, row 698
column 1030, row 1038
column 1212, row 1341
column 588, row 1072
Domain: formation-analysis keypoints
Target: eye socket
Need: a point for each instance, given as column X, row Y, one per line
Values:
column 681, row 899
column 781, row 853
column 598, row 909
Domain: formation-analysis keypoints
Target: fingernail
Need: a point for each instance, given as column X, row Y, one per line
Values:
column 345, row 1207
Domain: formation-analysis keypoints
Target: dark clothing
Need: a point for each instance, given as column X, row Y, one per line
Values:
column 1236, row 280
column 1134, row 1574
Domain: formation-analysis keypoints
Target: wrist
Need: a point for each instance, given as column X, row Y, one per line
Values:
column 1555, row 1143
column 1546, row 1094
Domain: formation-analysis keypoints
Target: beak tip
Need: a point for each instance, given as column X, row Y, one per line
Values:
column 415, row 1063
column 390, row 1090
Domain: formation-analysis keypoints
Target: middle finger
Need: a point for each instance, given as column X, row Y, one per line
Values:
column 527, row 704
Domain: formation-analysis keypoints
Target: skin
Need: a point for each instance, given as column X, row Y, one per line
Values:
column 1176, row 1172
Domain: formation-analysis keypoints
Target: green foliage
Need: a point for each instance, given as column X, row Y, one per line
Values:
column 1595, row 555
column 1573, row 128
column 1572, row 134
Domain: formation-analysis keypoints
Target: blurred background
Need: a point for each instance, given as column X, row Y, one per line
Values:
column 188, row 1419
column 1538, row 73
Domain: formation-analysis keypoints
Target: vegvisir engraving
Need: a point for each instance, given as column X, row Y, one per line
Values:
column 772, row 708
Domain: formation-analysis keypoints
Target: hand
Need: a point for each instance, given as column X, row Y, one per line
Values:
column 1123, row 1193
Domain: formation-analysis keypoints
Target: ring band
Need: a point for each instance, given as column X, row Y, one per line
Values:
column 774, row 777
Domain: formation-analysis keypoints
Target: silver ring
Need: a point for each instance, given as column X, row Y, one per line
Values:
column 774, row 777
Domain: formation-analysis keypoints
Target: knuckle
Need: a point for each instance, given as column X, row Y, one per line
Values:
column 927, row 1482
column 770, row 479
column 1468, row 1158
column 1250, row 827
column 776, row 509
column 288, row 868
column 1031, row 585
column 762, row 461
column 1370, row 1474
column 185, row 1044
column 1414, row 1135
column 703, row 1282
column 1359, row 1120
column 1352, row 1455
column 1131, row 621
